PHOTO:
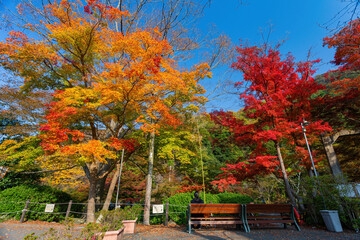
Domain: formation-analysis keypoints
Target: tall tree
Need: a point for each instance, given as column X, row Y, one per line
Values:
column 278, row 99
column 107, row 82
column 176, row 22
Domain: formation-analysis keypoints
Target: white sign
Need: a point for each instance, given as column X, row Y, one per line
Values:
column 158, row 208
column 49, row 207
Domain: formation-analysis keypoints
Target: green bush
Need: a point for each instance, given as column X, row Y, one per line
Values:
column 13, row 199
column 178, row 206
column 157, row 220
column 226, row 197
column 178, row 203
column 13, row 179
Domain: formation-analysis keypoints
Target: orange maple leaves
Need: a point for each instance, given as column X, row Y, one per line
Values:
column 107, row 81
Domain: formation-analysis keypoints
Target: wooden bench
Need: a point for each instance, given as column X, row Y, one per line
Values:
column 269, row 213
column 216, row 214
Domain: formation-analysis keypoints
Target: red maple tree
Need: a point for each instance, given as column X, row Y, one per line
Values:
column 277, row 99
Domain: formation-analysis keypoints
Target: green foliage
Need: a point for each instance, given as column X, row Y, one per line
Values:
column 178, row 203
column 13, row 179
column 176, row 145
column 267, row 189
column 13, row 200
column 130, row 212
column 178, row 206
column 20, row 156
column 157, row 220
column 189, row 150
column 112, row 219
column 223, row 147
column 227, row 197
column 329, row 193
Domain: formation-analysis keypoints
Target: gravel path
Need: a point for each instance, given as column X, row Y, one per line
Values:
column 162, row 233
column 17, row 231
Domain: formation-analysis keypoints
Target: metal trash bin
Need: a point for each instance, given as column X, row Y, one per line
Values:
column 331, row 219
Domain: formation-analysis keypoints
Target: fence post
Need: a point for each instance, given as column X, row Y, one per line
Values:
column 24, row 211
column 166, row 213
column 68, row 210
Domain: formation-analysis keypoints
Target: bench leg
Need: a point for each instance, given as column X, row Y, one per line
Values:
column 285, row 225
column 297, row 226
column 245, row 227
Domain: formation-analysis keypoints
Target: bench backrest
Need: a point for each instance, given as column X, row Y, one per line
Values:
column 216, row 208
column 268, row 208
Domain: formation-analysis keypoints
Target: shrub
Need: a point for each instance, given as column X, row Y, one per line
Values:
column 13, row 200
column 111, row 220
column 226, row 197
column 157, row 220
column 178, row 205
column 13, row 179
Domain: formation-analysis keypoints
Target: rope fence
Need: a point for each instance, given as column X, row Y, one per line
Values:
column 73, row 209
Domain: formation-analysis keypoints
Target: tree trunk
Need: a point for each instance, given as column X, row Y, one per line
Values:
column 328, row 141
column 100, row 190
column 111, row 188
column 285, row 176
column 149, row 178
column 92, row 193
column 331, row 155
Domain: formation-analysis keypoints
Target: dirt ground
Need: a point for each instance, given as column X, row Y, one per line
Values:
column 13, row 230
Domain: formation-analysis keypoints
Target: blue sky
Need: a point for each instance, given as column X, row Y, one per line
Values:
column 299, row 22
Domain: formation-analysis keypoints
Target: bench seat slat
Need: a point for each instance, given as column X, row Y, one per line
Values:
column 268, row 216
column 270, row 221
column 215, row 211
column 218, row 222
column 217, row 217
